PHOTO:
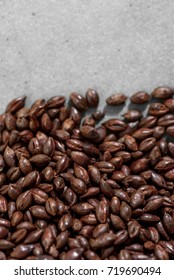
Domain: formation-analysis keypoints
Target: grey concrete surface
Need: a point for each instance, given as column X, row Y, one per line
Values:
column 55, row 47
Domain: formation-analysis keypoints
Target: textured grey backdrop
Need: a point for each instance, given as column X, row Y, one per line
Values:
column 55, row 47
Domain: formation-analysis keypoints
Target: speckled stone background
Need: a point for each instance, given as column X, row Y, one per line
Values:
column 54, row 47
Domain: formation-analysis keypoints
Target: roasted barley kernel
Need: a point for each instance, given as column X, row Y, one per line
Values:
column 140, row 97
column 92, row 98
column 163, row 92
column 116, row 99
column 78, row 101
